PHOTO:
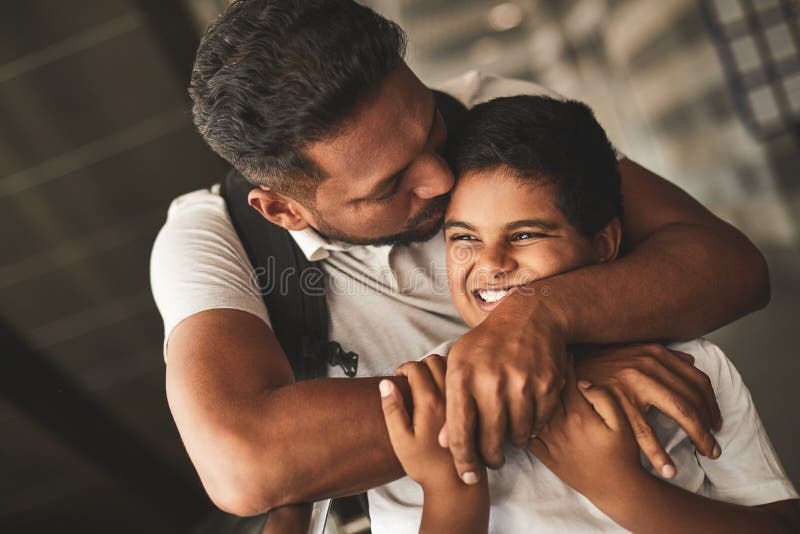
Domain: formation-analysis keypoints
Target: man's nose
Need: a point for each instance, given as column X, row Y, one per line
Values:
column 434, row 177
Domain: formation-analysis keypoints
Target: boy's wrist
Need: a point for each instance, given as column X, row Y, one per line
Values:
column 615, row 497
column 451, row 484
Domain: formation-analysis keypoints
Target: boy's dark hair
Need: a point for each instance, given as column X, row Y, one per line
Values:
column 271, row 76
column 546, row 140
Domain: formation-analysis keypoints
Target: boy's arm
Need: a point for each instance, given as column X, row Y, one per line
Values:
column 450, row 506
column 646, row 504
column 456, row 508
column 591, row 449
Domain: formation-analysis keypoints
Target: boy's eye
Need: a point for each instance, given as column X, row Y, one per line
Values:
column 462, row 237
column 526, row 235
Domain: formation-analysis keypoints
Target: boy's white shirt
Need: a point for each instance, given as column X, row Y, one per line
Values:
column 528, row 497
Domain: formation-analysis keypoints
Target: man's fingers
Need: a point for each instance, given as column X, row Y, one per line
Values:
column 520, row 417
column 461, row 431
column 492, row 421
column 603, row 403
column 688, row 358
column 398, row 423
column 683, row 366
column 444, row 441
column 647, row 439
column 682, row 412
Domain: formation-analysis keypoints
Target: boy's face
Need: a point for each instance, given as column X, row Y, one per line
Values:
column 502, row 233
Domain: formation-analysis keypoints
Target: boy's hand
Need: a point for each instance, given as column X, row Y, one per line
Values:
column 416, row 442
column 641, row 376
column 588, row 444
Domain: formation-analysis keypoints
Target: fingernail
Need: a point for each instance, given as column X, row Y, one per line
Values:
column 386, row 388
column 716, row 451
column 668, row 471
column 584, row 384
column 470, row 477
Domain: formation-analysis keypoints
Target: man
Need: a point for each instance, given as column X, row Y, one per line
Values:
column 312, row 102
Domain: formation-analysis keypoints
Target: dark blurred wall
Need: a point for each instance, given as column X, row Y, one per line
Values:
column 95, row 140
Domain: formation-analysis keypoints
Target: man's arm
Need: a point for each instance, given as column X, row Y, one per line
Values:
column 685, row 273
column 257, row 439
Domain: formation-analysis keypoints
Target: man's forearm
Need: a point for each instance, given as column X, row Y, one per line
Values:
column 326, row 438
column 679, row 283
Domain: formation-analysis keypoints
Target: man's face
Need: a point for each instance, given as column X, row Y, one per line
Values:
column 501, row 234
column 387, row 181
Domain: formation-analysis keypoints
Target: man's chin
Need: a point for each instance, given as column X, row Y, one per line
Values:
column 420, row 233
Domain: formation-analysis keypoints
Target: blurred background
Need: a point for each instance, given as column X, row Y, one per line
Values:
column 96, row 139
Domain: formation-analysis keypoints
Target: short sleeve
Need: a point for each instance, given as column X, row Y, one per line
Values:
column 748, row 472
column 198, row 263
column 443, row 349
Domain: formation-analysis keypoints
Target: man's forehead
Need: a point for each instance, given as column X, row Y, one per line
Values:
column 384, row 134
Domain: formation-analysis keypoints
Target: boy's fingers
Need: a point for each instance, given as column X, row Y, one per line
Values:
column 647, row 439
column 398, row 423
column 603, row 403
column 438, row 368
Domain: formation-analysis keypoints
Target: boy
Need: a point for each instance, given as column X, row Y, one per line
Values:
column 538, row 194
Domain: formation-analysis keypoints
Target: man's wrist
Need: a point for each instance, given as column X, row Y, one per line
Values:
column 536, row 302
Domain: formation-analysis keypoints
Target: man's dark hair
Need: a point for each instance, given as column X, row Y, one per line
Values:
column 271, row 76
column 545, row 140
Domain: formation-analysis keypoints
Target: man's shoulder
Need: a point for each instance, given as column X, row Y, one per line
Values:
column 475, row 87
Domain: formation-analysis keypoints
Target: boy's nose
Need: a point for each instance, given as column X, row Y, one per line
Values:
column 496, row 262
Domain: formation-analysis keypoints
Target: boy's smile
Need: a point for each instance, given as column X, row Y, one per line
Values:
column 504, row 232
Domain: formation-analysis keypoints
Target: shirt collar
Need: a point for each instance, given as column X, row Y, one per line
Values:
column 314, row 246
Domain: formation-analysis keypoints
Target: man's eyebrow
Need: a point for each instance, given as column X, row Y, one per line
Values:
column 458, row 224
column 381, row 186
column 536, row 223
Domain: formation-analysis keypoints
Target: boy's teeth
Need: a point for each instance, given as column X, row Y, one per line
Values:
column 492, row 296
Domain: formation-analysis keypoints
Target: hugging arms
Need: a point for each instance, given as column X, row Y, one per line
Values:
column 259, row 440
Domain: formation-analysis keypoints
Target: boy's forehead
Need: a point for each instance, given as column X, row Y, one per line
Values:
column 496, row 196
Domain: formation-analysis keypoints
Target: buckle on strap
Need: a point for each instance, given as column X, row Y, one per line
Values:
column 335, row 355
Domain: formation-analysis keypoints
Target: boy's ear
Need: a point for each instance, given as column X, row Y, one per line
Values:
column 277, row 208
column 606, row 242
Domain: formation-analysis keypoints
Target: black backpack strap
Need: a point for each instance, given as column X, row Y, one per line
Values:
column 292, row 287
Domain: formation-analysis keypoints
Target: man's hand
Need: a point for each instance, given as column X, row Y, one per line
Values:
column 503, row 378
column 641, row 376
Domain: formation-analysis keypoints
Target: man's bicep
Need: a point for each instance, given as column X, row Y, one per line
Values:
column 226, row 352
column 650, row 203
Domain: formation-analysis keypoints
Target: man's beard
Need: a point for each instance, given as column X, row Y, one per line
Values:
column 411, row 233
